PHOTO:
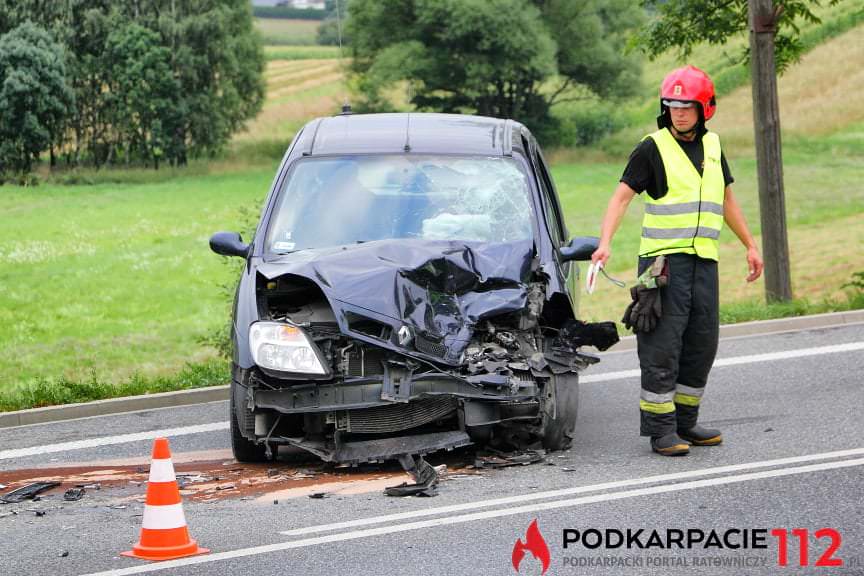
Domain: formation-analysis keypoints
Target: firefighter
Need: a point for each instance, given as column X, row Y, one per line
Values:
column 674, row 312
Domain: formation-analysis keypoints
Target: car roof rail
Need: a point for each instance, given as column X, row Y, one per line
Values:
column 507, row 140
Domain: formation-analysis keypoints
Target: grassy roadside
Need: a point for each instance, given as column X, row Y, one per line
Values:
column 55, row 391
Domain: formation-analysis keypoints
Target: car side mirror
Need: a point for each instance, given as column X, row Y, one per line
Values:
column 580, row 248
column 228, row 244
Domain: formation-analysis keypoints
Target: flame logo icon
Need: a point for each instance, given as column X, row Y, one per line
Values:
column 534, row 543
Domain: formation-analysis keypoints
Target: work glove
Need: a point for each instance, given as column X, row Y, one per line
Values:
column 644, row 312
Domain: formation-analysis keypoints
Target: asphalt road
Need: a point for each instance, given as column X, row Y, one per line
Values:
column 789, row 406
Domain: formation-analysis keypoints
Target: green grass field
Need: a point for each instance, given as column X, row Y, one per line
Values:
column 111, row 280
column 108, row 285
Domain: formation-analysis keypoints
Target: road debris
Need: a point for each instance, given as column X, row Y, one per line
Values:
column 195, row 477
column 64, row 554
column 74, row 494
column 28, row 492
column 301, row 475
column 500, row 459
column 200, row 480
column 424, row 474
column 319, row 495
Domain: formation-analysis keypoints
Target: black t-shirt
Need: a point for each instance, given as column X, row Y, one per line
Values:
column 645, row 172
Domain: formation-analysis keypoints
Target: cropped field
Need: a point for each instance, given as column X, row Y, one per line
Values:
column 300, row 52
column 287, row 32
column 297, row 91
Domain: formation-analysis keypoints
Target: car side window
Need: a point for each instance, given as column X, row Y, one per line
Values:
column 553, row 196
column 553, row 218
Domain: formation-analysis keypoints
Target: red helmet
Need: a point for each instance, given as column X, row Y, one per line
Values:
column 688, row 84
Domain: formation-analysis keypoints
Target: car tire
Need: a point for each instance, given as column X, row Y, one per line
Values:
column 480, row 435
column 558, row 432
column 242, row 419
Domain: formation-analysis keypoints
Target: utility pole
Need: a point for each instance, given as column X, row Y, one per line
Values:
column 769, row 160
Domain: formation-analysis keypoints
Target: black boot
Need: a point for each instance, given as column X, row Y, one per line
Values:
column 669, row 445
column 699, row 436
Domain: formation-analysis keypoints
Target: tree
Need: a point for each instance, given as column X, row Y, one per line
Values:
column 219, row 63
column 214, row 74
column 774, row 43
column 683, row 24
column 329, row 29
column 142, row 92
column 34, row 96
column 491, row 57
column 589, row 37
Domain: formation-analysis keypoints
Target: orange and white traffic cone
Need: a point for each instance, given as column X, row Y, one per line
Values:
column 164, row 535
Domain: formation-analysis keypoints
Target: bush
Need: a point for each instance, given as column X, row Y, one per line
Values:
column 220, row 338
column 328, row 33
column 584, row 123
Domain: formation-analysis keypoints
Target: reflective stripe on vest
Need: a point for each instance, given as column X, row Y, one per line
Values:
column 688, row 219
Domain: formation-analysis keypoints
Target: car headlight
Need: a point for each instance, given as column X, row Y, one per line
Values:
column 284, row 348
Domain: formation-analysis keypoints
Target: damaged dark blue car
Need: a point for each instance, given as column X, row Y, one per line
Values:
column 410, row 288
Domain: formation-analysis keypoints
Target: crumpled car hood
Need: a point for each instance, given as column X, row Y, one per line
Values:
column 440, row 289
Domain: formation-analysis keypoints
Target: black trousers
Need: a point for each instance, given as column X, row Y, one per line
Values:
column 677, row 356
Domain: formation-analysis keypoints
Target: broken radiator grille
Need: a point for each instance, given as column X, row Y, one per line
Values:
column 428, row 346
column 366, row 361
column 396, row 417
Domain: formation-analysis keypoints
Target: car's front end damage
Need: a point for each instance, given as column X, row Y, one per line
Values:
column 409, row 288
column 391, row 348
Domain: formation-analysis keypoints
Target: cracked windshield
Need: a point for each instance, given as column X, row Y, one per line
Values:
column 346, row 200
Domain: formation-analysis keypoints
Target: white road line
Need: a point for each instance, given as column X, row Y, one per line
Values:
column 737, row 360
column 448, row 520
column 576, row 490
column 109, row 440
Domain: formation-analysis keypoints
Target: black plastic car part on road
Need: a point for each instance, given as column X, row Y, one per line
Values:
column 410, row 288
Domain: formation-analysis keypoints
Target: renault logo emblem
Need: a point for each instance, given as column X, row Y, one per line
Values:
column 404, row 335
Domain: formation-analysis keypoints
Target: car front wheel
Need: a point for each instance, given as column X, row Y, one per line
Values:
column 242, row 420
column 558, row 432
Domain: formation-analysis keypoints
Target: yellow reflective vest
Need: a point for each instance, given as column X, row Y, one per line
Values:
column 688, row 219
